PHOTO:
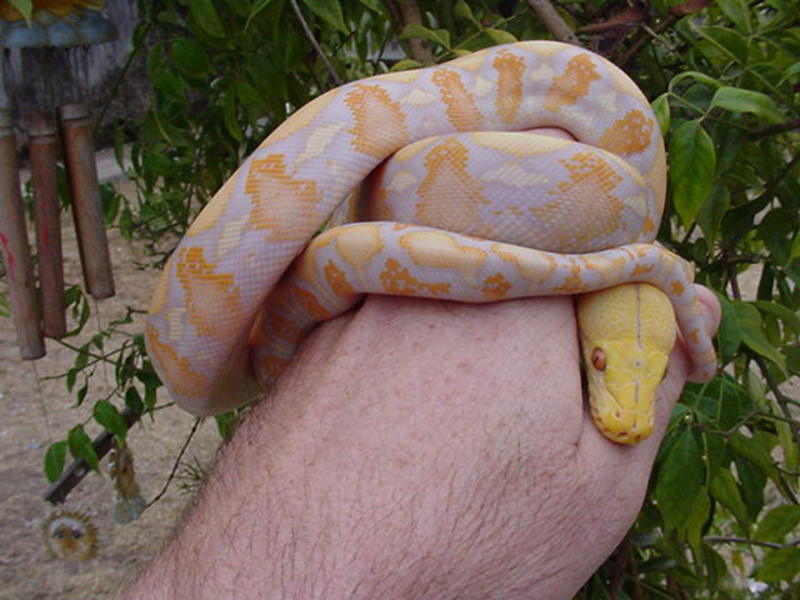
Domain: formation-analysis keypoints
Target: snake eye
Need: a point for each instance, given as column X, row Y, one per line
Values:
column 598, row 359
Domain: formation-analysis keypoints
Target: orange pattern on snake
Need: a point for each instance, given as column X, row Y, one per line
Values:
column 561, row 217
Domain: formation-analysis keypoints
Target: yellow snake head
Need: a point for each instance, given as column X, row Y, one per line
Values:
column 627, row 333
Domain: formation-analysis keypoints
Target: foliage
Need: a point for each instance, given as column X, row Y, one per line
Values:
column 724, row 77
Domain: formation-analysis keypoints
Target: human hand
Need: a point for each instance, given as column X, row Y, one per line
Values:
column 420, row 449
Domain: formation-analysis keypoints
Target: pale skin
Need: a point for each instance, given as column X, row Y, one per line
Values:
column 418, row 449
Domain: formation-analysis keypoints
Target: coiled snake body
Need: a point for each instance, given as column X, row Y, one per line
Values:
column 462, row 204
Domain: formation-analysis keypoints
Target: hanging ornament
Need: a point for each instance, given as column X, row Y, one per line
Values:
column 130, row 504
column 55, row 23
column 55, row 68
column 14, row 247
column 70, row 535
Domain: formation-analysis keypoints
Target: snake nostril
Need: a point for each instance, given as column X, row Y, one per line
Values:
column 598, row 359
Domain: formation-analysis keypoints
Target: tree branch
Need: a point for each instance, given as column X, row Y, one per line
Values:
column 406, row 12
column 782, row 400
column 553, row 21
column 776, row 129
column 618, row 567
column 315, row 44
column 740, row 540
column 73, row 475
column 644, row 37
column 178, row 458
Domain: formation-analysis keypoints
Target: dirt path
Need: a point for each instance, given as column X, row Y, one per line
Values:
column 26, row 569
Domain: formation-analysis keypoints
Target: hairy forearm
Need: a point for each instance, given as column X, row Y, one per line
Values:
column 414, row 449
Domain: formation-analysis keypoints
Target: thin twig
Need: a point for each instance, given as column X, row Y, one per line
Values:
column 313, row 41
column 553, row 21
column 740, row 540
column 766, row 415
column 644, row 37
column 115, row 87
column 734, row 281
column 177, row 462
column 637, row 592
column 782, row 400
column 776, row 129
column 618, row 567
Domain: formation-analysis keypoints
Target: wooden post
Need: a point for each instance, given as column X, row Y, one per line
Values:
column 14, row 244
column 87, row 210
column 44, row 176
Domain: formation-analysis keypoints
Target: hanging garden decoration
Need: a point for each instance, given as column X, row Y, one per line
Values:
column 57, row 23
column 51, row 38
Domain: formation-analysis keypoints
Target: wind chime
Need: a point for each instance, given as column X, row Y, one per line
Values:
column 47, row 96
column 50, row 105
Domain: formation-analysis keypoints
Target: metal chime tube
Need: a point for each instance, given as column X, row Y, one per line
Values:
column 86, row 206
column 14, row 244
column 44, row 177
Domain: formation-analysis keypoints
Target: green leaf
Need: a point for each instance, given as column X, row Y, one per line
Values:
column 692, row 529
column 715, row 566
column 405, row 65
column 691, row 169
column 779, row 565
column 108, row 416
column 680, row 480
column 738, row 12
column 80, row 446
column 249, row 97
column 777, row 523
column 747, row 101
column 171, row 85
column 72, row 375
column 54, row 460
column 791, row 450
column 777, row 229
column 728, row 44
column 25, row 7
column 661, row 109
column 229, row 115
column 190, row 57
column 133, row 400
column 329, row 11
column 752, row 335
column 81, row 395
column 725, row 490
column 710, row 215
column 787, row 315
column 462, row 10
column 729, row 334
column 226, row 424
column 373, row 5
column 415, row 30
column 695, row 76
column 754, row 480
column 753, row 450
column 257, row 7
column 205, row 15
column 498, row 36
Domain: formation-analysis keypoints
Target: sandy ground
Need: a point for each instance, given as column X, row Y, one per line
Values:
column 33, row 413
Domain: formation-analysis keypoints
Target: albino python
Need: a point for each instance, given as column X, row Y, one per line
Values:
column 459, row 203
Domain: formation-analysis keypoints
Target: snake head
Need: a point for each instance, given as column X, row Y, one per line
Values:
column 627, row 333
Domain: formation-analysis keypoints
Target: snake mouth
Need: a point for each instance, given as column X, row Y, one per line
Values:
column 618, row 427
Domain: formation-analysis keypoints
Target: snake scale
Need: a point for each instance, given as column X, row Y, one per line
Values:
column 456, row 201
